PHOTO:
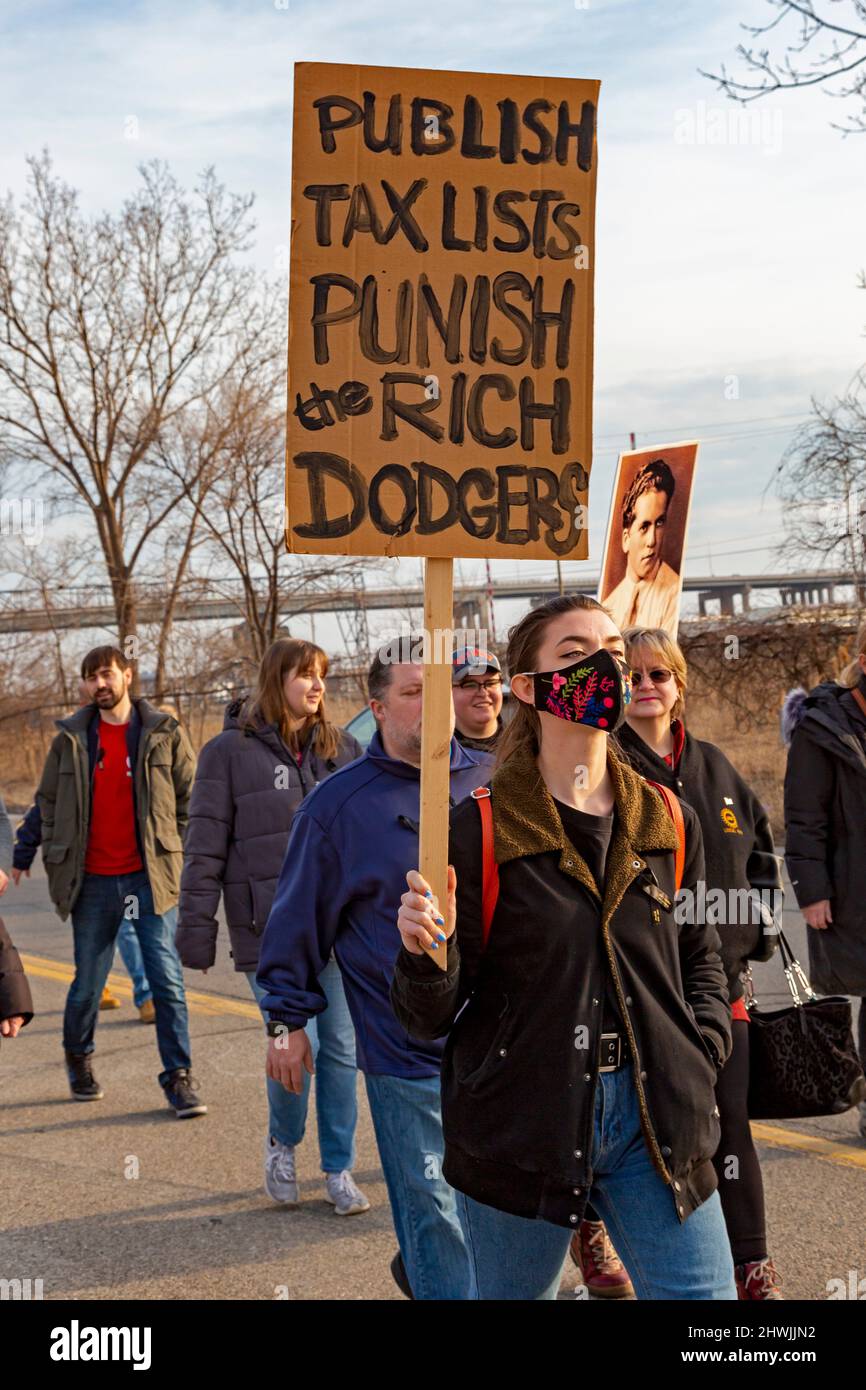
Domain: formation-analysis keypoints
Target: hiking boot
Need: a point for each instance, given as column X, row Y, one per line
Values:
column 82, row 1083
column 281, row 1180
column 109, row 1000
column 147, row 1012
column 344, row 1195
column 179, row 1089
column 600, row 1265
column 757, row 1280
column 400, row 1277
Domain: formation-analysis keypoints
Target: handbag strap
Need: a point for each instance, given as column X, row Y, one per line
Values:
column 489, row 867
column 675, row 811
column 858, row 696
column 798, row 981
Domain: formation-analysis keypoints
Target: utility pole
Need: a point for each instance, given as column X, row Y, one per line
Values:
column 491, row 616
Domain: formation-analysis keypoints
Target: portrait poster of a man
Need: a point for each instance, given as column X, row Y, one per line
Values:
column 641, row 574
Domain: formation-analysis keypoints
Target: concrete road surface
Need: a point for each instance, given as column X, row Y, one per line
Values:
column 118, row 1199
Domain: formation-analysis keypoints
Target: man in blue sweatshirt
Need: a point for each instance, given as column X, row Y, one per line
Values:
column 353, row 841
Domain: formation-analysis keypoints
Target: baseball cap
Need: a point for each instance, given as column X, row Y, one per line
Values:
column 471, row 661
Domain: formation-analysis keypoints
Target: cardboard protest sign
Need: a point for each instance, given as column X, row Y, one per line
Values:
column 641, row 574
column 440, row 354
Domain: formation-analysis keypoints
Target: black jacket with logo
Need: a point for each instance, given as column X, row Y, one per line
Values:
column 733, row 824
column 517, row 1090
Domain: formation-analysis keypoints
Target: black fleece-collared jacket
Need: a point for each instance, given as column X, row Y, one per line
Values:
column 734, row 824
column 517, row 1090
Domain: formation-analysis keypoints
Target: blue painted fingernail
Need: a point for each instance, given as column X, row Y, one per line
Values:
column 428, row 894
column 441, row 937
column 434, row 946
column 440, row 921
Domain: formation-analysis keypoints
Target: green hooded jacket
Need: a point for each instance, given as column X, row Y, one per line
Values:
column 162, row 785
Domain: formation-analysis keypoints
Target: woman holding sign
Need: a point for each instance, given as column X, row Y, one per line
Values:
column 586, row 1032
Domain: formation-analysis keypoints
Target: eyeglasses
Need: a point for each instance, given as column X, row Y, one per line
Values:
column 494, row 683
column 658, row 677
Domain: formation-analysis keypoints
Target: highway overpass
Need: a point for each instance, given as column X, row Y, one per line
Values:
column 793, row 589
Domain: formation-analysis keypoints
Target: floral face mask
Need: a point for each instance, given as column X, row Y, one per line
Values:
column 593, row 691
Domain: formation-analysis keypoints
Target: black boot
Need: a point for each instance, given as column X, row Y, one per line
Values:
column 180, row 1093
column 82, row 1083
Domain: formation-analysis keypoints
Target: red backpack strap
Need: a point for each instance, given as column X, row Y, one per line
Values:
column 675, row 811
column 489, row 867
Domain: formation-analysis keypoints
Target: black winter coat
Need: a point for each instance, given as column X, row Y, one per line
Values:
column 517, row 1093
column 15, row 995
column 825, row 830
column 733, row 824
column 248, row 786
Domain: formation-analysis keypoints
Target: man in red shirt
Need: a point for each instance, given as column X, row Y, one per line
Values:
column 114, row 799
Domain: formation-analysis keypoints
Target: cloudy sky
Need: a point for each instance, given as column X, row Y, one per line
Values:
column 727, row 250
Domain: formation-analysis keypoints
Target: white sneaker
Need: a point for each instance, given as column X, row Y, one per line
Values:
column 344, row 1195
column 281, row 1182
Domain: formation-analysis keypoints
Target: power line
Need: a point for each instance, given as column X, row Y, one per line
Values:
column 695, row 430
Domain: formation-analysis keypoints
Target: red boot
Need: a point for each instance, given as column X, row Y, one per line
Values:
column 757, row 1280
column 593, row 1253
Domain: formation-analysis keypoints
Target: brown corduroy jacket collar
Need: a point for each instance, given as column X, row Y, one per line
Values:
column 526, row 822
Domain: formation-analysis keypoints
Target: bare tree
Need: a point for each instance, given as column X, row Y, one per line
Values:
column 816, row 49
column 821, row 482
column 239, row 464
column 115, row 331
column 47, row 574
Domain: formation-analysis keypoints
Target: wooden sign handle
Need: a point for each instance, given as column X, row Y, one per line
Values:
column 436, row 734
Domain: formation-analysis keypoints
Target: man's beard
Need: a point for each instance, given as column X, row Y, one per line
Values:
column 409, row 743
column 102, row 703
column 413, row 741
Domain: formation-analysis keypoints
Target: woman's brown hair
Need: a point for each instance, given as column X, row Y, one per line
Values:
column 658, row 645
column 524, row 640
column 853, row 671
column 291, row 656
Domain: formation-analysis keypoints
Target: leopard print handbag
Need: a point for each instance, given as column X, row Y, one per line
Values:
column 802, row 1058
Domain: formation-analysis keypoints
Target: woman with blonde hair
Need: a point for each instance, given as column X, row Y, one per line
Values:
column 740, row 854
column 585, row 1028
column 251, row 779
column 825, row 812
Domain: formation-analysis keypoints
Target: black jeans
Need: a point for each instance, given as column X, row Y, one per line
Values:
column 741, row 1186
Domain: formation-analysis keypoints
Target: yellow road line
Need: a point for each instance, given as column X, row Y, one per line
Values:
column 825, row 1149
column 215, row 1005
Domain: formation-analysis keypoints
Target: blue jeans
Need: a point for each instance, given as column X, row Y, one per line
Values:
column 514, row 1258
column 407, row 1118
column 332, row 1038
column 127, row 945
column 105, row 901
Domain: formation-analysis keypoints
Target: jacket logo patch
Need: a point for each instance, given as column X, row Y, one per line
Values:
column 729, row 821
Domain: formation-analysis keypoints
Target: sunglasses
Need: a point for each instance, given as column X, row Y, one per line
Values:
column 658, row 677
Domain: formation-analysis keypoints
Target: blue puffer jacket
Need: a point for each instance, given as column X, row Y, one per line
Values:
column 353, row 841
